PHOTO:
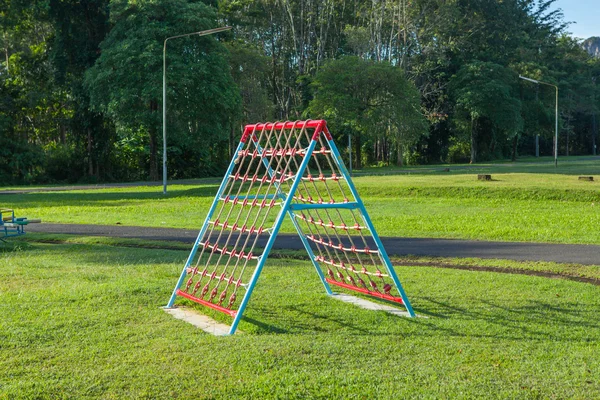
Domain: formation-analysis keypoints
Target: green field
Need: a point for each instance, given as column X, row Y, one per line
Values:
column 540, row 204
column 84, row 320
column 81, row 316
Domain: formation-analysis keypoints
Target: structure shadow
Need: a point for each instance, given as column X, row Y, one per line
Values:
column 534, row 320
column 101, row 255
column 265, row 327
column 279, row 320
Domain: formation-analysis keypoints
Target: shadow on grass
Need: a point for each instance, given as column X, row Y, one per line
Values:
column 97, row 256
column 512, row 314
column 9, row 245
column 103, row 199
column 337, row 322
column 264, row 327
column 534, row 320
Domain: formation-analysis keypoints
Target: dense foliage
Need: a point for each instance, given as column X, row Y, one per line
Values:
column 412, row 81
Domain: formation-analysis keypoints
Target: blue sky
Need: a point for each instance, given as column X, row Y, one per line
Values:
column 586, row 14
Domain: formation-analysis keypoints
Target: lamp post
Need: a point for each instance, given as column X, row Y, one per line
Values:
column 555, row 117
column 201, row 33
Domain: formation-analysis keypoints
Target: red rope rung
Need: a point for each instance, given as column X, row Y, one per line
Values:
column 321, row 223
column 363, row 270
column 217, row 307
column 365, row 291
column 321, row 178
column 234, row 253
column 339, row 246
column 273, row 153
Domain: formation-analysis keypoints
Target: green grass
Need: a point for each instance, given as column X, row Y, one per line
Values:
column 399, row 206
column 553, row 269
column 573, row 165
column 84, row 320
column 543, row 205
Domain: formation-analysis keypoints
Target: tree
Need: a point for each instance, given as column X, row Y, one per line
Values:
column 126, row 81
column 79, row 27
column 366, row 99
column 52, row 63
column 483, row 93
column 250, row 71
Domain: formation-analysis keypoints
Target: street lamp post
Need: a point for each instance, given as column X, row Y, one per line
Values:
column 555, row 115
column 201, row 33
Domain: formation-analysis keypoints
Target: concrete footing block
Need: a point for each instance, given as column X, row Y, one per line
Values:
column 369, row 305
column 203, row 322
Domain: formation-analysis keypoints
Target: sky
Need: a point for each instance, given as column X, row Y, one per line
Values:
column 584, row 13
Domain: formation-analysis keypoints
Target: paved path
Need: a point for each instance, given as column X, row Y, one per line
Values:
column 562, row 253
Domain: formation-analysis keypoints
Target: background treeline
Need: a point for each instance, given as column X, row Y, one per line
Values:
column 411, row 81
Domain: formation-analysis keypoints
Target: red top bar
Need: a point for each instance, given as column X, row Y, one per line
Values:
column 287, row 124
column 319, row 124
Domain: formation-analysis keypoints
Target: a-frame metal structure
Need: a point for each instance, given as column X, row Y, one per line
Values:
column 295, row 169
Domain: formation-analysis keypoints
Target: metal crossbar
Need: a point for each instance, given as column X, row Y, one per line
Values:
column 278, row 169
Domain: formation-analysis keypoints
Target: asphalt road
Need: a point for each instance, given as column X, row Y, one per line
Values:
column 561, row 253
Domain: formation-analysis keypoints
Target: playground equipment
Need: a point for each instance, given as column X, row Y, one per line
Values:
column 12, row 226
column 296, row 169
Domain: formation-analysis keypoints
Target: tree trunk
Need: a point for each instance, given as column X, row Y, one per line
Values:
column 514, row 149
column 89, row 151
column 153, row 136
column 63, row 133
column 153, row 154
column 568, row 129
column 231, row 140
column 404, row 38
column 492, row 145
column 473, row 141
column 400, row 159
column 594, row 133
column 358, row 152
column 7, row 60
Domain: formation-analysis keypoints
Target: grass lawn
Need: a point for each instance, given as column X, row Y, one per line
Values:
column 573, row 165
column 541, row 204
column 84, row 320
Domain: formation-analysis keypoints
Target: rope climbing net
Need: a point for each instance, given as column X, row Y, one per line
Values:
column 284, row 168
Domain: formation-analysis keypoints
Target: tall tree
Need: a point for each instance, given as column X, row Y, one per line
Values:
column 365, row 99
column 79, row 27
column 484, row 93
column 125, row 82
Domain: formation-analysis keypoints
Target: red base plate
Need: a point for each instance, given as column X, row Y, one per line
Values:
column 365, row 291
column 217, row 307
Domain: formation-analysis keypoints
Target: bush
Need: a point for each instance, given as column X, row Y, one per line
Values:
column 62, row 164
column 459, row 151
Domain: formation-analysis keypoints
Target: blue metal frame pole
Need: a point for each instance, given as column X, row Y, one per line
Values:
column 205, row 225
column 271, row 241
column 369, row 224
column 311, row 254
column 307, row 247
